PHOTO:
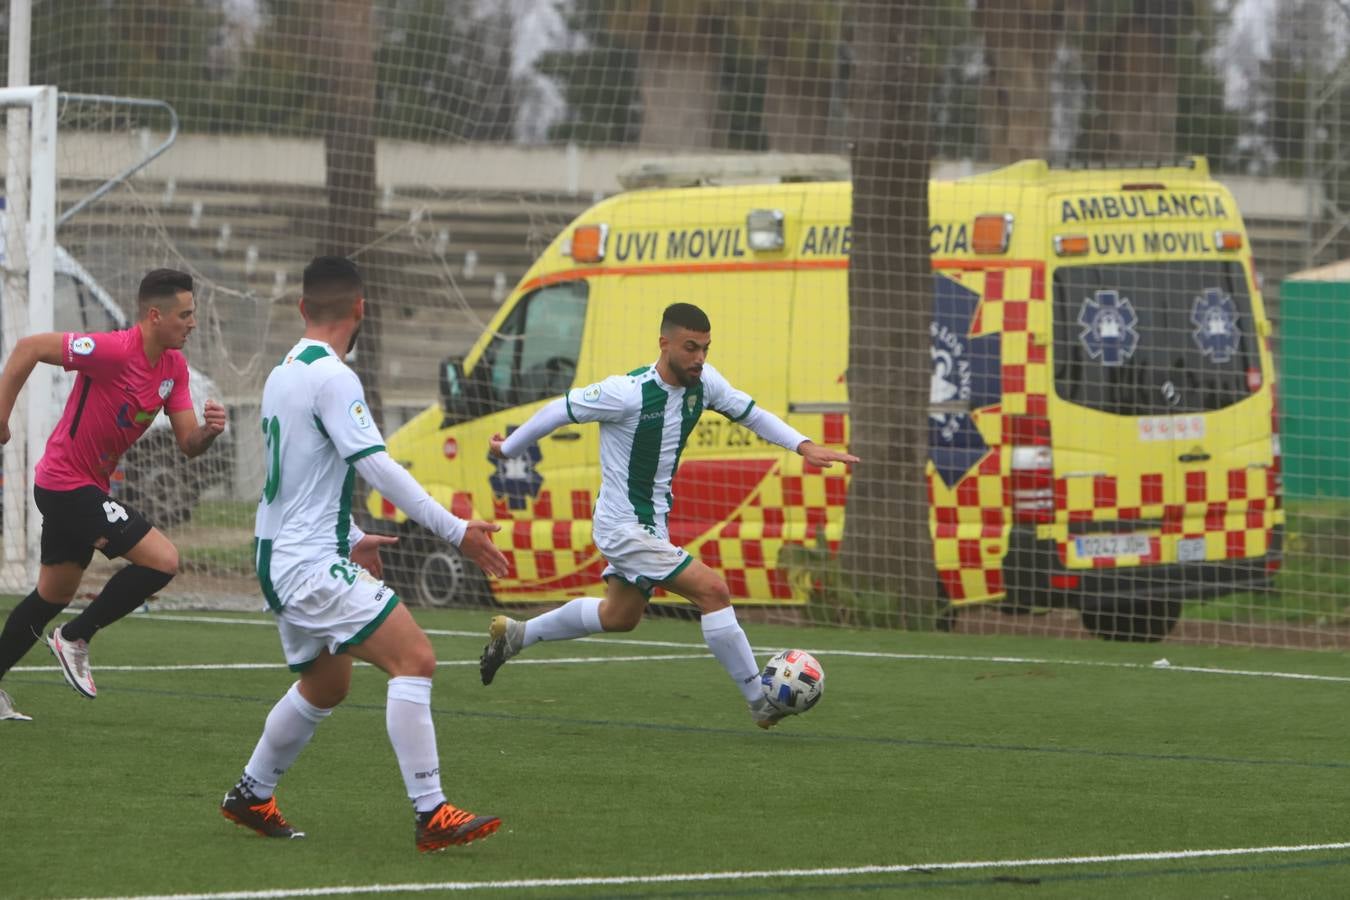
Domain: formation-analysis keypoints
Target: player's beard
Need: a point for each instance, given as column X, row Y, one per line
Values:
column 351, row 345
column 687, row 378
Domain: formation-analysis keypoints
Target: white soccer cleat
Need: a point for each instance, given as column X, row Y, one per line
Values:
column 506, row 638
column 74, row 659
column 765, row 714
column 7, row 710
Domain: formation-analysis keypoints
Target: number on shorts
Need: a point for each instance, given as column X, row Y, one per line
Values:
column 115, row 512
column 271, row 429
column 345, row 571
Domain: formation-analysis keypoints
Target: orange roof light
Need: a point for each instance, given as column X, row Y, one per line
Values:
column 588, row 243
column 1072, row 244
column 991, row 233
column 1227, row 240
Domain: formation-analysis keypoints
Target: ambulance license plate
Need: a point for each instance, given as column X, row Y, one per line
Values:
column 1111, row 546
column 1191, row 550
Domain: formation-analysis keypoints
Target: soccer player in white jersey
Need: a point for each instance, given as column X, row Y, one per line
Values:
column 320, row 574
column 645, row 418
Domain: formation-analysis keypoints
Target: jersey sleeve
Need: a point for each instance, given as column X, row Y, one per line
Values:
column 342, row 409
column 180, row 396
column 95, row 355
column 605, row 401
column 721, row 397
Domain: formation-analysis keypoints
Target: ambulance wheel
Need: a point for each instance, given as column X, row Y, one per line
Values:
column 430, row 572
column 1133, row 619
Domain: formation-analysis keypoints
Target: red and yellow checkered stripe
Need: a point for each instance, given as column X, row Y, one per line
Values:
column 970, row 521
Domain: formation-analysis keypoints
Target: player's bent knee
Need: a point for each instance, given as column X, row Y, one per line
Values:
column 417, row 661
column 713, row 597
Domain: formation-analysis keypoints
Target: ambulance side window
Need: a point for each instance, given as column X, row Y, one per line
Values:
column 534, row 354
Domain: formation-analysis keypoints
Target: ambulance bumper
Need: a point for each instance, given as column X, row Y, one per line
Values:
column 1034, row 576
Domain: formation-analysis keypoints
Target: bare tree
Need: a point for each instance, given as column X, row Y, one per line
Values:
column 345, row 35
column 799, row 41
column 886, row 545
column 1020, row 41
column 1135, row 68
column 680, row 45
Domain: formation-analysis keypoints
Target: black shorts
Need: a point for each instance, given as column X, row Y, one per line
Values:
column 75, row 523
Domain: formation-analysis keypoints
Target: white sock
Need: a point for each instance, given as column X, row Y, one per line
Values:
column 407, row 715
column 724, row 637
column 289, row 727
column 574, row 619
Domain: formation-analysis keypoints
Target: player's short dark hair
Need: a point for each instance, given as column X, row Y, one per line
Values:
column 331, row 286
column 685, row 315
column 159, row 284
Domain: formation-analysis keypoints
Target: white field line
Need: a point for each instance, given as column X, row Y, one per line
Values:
column 1159, row 665
column 686, row 877
column 209, row 667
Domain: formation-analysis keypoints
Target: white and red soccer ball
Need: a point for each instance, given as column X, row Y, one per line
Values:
column 793, row 681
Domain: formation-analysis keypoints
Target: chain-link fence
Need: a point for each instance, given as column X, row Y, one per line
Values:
column 1104, row 390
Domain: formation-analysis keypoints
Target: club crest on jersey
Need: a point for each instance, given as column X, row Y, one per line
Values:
column 591, row 394
column 360, row 415
column 82, row 346
column 164, row 387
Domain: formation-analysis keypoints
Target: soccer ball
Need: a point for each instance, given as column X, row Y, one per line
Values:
column 793, row 681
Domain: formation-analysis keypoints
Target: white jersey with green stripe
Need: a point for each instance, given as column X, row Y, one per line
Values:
column 315, row 425
column 644, row 425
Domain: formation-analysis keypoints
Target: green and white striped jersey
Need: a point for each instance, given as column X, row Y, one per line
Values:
column 644, row 425
column 315, row 425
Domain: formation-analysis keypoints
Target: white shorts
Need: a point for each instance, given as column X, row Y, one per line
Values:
column 642, row 556
column 335, row 605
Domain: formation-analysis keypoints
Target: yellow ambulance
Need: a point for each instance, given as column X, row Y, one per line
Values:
column 1102, row 418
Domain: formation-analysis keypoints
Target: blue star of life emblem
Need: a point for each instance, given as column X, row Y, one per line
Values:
column 1215, row 316
column 1109, row 333
column 965, row 378
column 517, row 479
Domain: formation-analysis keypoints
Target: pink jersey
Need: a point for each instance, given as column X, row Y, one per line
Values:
column 117, row 395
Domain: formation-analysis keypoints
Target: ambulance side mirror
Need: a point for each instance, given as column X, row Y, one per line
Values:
column 463, row 397
column 454, row 402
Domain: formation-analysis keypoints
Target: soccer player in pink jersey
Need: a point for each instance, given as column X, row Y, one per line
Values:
column 124, row 379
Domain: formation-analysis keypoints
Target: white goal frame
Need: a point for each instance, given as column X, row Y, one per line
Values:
column 29, row 284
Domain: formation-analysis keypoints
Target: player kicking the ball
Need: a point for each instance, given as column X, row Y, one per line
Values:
column 645, row 418
column 320, row 574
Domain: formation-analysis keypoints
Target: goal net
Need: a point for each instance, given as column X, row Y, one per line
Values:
column 1096, row 394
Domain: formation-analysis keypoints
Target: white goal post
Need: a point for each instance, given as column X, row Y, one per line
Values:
column 28, row 283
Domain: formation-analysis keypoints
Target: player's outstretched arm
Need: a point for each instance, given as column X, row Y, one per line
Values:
column 193, row 437
column 28, row 352
column 771, row 428
column 550, row 416
column 823, row 457
column 477, row 546
column 401, row 489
